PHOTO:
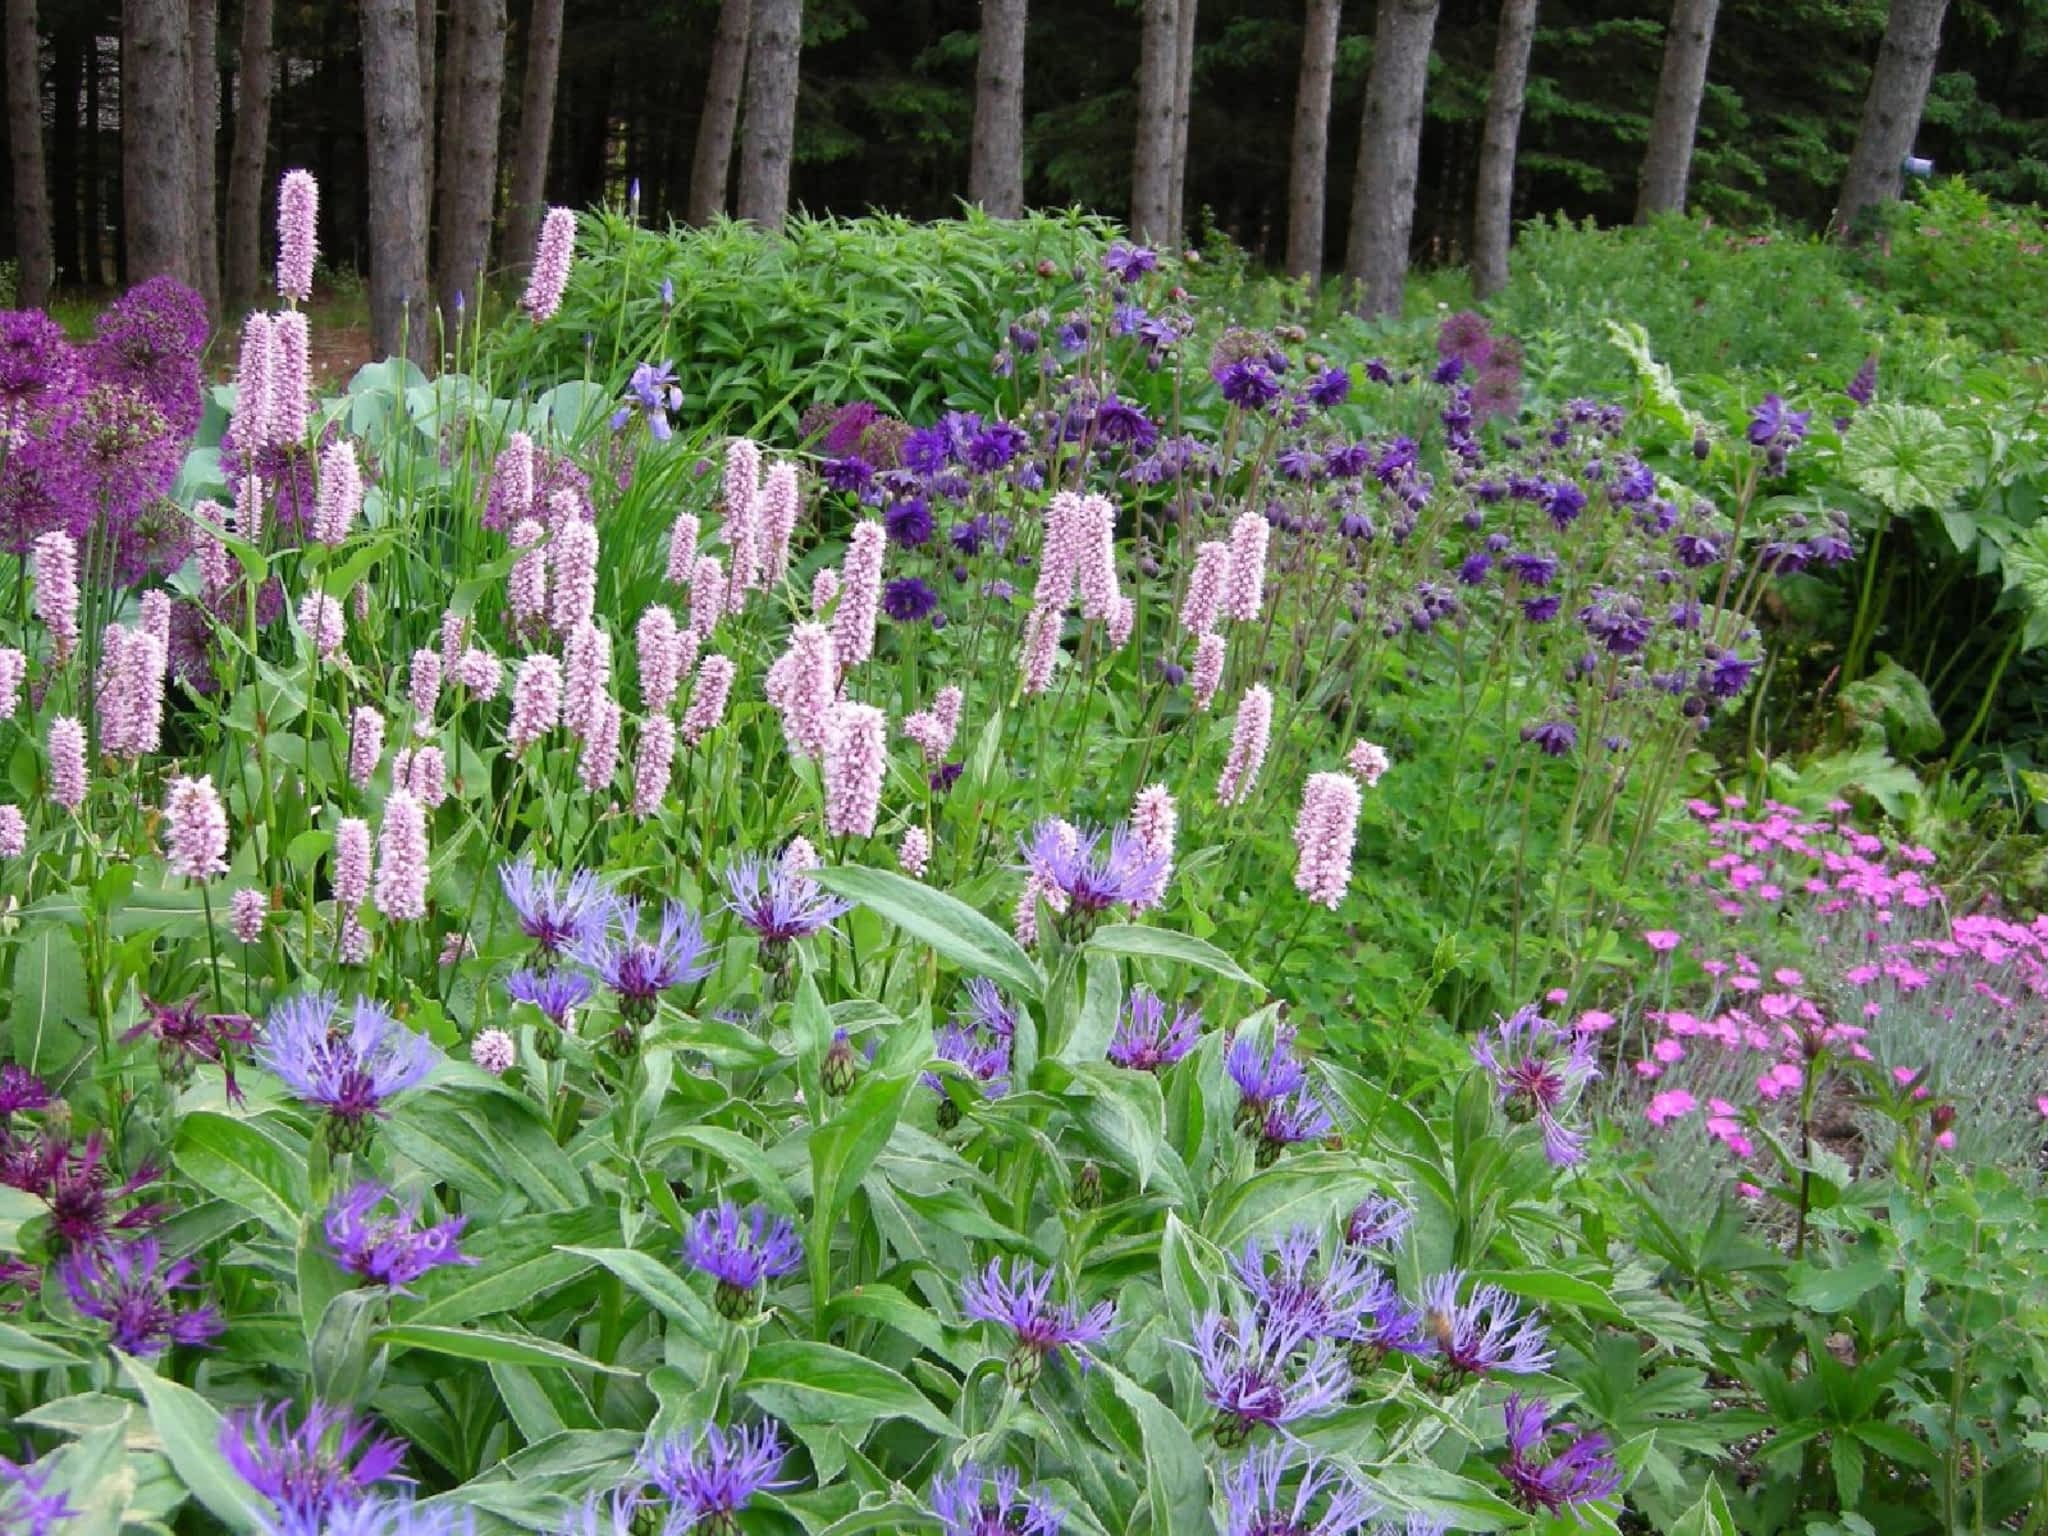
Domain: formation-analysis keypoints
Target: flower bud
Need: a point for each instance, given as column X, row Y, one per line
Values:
column 840, row 1068
column 1088, row 1187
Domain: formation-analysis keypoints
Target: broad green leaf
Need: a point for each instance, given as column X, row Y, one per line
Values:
column 190, row 1430
column 21, row 1350
column 1176, row 1480
column 802, row 1382
column 252, row 1164
column 946, row 923
column 740, row 1154
column 480, row 1344
column 1829, row 1289
column 1302, row 1189
column 660, row 1286
column 844, row 1147
column 517, row 1261
column 1905, row 457
column 1710, row 1516
column 887, row 1305
column 48, row 1008
column 1126, row 1113
column 1102, row 1000
column 1170, row 945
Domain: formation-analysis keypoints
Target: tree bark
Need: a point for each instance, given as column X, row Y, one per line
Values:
column 1152, row 159
column 205, row 22
column 536, row 133
column 469, row 146
column 156, row 139
column 768, row 136
column 67, row 84
column 33, row 247
column 711, row 166
column 1183, row 92
column 1389, row 150
column 1308, row 175
column 1891, row 112
column 1493, row 210
column 100, row 205
column 395, row 133
column 995, row 177
column 1667, row 161
column 427, row 19
column 254, row 80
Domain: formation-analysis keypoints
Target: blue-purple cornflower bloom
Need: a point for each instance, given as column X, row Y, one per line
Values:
column 557, row 913
column 1146, row 1039
column 780, row 904
column 1066, row 861
column 1129, row 262
column 1540, row 1068
column 909, row 600
column 966, row 1505
column 638, row 970
column 1486, row 1332
column 981, row 1054
column 741, row 1249
column 328, row 1464
column 554, row 993
column 651, row 393
column 1291, row 1286
column 613, row 1514
column 1265, row 1372
column 350, row 1065
column 383, row 1515
column 1021, row 1301
column 25, row 1509
column 1299, row 1117
column 1264, row 1075
column 186, row 1035
column 708, row 1475
column 1328, row 1501
column 989, row 1010
column 128, row 1287
column 389, row 1247
column 1379, row 1221
column 1581, row 1472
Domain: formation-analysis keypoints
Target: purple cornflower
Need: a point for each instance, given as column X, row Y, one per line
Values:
column 1299, row 1117
column 1264, row 1075
column 554, row 993
column 982, row 1055
column 741, row 1248
column 74, row 1182
column 555, row 913
column 1485, row 1332
column 1540, row 1069
column 1064, row 861
column 639, row 970
column 390, row 1247
column 1264, row 1371
column 1257, row 1507
column 987, row 1009
column 1380, row 1221
column 708, row 1474
column 1021, row 1301
column 651, row 393
column 1291, row 1287
column 1129, row 262
column 25, row 1509
column 909, row 600
column 20, row 1090
column 1581, row 1473
column 966, row 1505
column 328, row 1465
column 186, row 1036
column 1553, row 738
column 128, row 1287
column 1145, row 1040
column 909, row 522
column 780, row 904
column 351, row 1067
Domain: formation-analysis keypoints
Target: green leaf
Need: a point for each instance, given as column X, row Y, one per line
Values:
column 661, row 1287
column 845, row 1147
column 807, row 1383
column 1708, row 1517
column 1905, row 457
column 1102, row 1001
column 1176, row 1478
column 737, row 1152
column 1829, row 1289
column 190, row 1430
column 1169, row 945
column 47, row 1003
column 517, row 1261
column 248, row 1163
column 889, row 1306
column 958, row 932
column 479, row 1344
column 1126, row 1113
column 21, row 1350
column 1305, row 1189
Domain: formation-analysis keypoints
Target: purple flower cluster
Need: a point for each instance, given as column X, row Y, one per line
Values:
column 317, row 1472
column 187, row 1036
column 558, row 913
column 26, row 1507
column 1539, row 1069
column 708, row 1475
column 1146, row 1040
column 780, row 903
column 1551, row 1482
column 637, row 969
column 1040, row 1328
column 1277, row 1108
column 742, row 1249
column 389, row 1247
column 129, row 1287
column 352, row 1066
column 1327, row 1501
column 972, row 1502
column 1087, row 878
column 73, row 1181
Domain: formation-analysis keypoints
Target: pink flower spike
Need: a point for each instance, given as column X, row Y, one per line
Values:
column 654, row 642
column 1369, row 762
column 54, row 561
column 298, row 244
column 682, row 549
column 1203, row 605
column 707, row 595
column 13, row 832
column 779, row 507
column 572, row 573
column 1208, row 675
column 526, row 586
column 586, row 678
column 321, row 618
column 860, row 593
column 1244, row 589
column 653, row 763
column 824, row 588
column 914, row 852
column 195, row 829
column 401, row 888
column 550, row 276
column 1325, row 833
column 350, row 873
column 1249, row 739
column 248, row 911
column 13, row 673
column 339, row 501
column 365, row 744
column 1155, row 821
column 803, row 684
column 707, row 697
column 423, row 688
column 599, row 762
column 536, row 702
column 855, row 761
column 291, row 386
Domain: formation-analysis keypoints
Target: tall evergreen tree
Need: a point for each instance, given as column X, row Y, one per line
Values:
column 205, row 62
column 156, row 140
column 1891, row 112
column 1389, row 152
column 1681, row 85
column 1308, row 177
column 468, row 160
column 995, row 177
column 395, row 135
column 768, row 135
column 33, row 248
column 246, row 184
column 1183, row 102
column 1494, row 197
column 1158, row 90
column 537, row 91
column 711, row 166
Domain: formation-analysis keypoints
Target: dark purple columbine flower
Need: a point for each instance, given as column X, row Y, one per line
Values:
column 1830, row 548
column 1540, row 1069
column 1326, row 1502
column 1329, row 388
column 651, row 393
column 945, row 776
column 1473, row 569
column 1771, row 422
column 908, row 522
column 927, row 450
column 1564, row 503
column 1448, row 371
column 1541, row 610
column 1553, row 738
column 25, row 1509
column 708, row 1475
column 1380, row 1221
column 849, row 473
column 21, row 1090
column 638, row 970
column 1725, row 675
column 389, row 1247
column 1249, row 383
column 1065, row 860
column 972, row 1503
column 1487, row 1332
column 329, row 1464
column 554, row 993
column 1264, row 1372
column 1696, row 551
column 1021, row 1301
column 1532, row 570
column 185, row 1036
column 780, row 904
column 351, row 1067
column 909, row 600
column 1863, row 388
column 741, row 1249
column 1128, row 262
column 1617, row 621
column 556, row 913
column 1119, row 422
column 1581, row 1472
column 128, row 1287
column 994, row 447
column 1290, row 1285
column 1146, row 1040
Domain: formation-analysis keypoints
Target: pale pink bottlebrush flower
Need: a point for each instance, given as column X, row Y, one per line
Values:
column 824, row 587
column 587, row 678
column 454, row 632
column 946, row 704
column 54, row 560
column 802, row 685
column 195, row 829
column 155, row 616
column 707, row 698
column 13, row 673
column 860, row 593
column 129, row 695
column 526, row 586
column 256, row 384
column 1244, row 588
column 856, row 759
column 291, row 385
column 216, row 566
column 513, row 477
column 321, row 618
column 1059, row 560
column 67, row 762
column 1249, row 738
column 427, row 777
column 365, row 744
column 549, row 279
column 914, row 852
column 564, row 505
column 653, row 764
column 298, row 225
column 1123, row 618
column 536, row 701
column 246, row 522
column 13, row 832
column 1041, row 648
column 572, row 575
column 493, row 1051
column 682, row 549
column 1368, row 762
column 353, row 942
column 776, row 512
column 599, row 761
column 654, row 646
column 685, row 657
column 350, row 873
column 1325, row 833
column 248, row 911
column 1095, row 562
column 339, row 501
column 401, row 889
column 707, row 595
column 1155, row 822
column 741, row 480
column 1208, row 673
column 477, row 670
column 800, row 856
column 1203, row 605
column 744, row 534
column 933, row 729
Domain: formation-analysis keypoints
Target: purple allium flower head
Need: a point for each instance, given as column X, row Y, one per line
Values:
column 21, row 1090
column 1326, row 1502
column 741, row 1248
column 128, row 1287
column 1021, row 1301
column 1265, row 1371
column 25, row 1508
column 908, row 521
column 1552, row 1482
column 149, row 341
column 1554, row 738
column 909, row 600
column 186, row 1036
column 1380, row 1221
column 779, row 903
column 556, row 913
column 351, row 1065
column 1088, row 881
column 973, row 1503
column 1486, row 1332
column 1129, row 262
column 708, row 1475
column 389, row 1247
column 554, row 993
column 1540, row 1069
column 1146, row 1040
column 328, row 1464
column 638, row 970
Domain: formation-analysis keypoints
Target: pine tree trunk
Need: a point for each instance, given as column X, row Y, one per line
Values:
column 253, row 88
column 395, row 134
column 995, row 178
column 1891, row 112
column 206, row 151
column 1152, row 160
column 768, row 136
column 1308, row 176
column 32, row 236
column 529, row 187
column 67, row 83
column 1494, row 201
column 156, row 140
column 711, row 166
column 469, row 146
column 427, row 18
column 1183, row 91
column 1667, row 161
column 1389, row 150
column 99, row 205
